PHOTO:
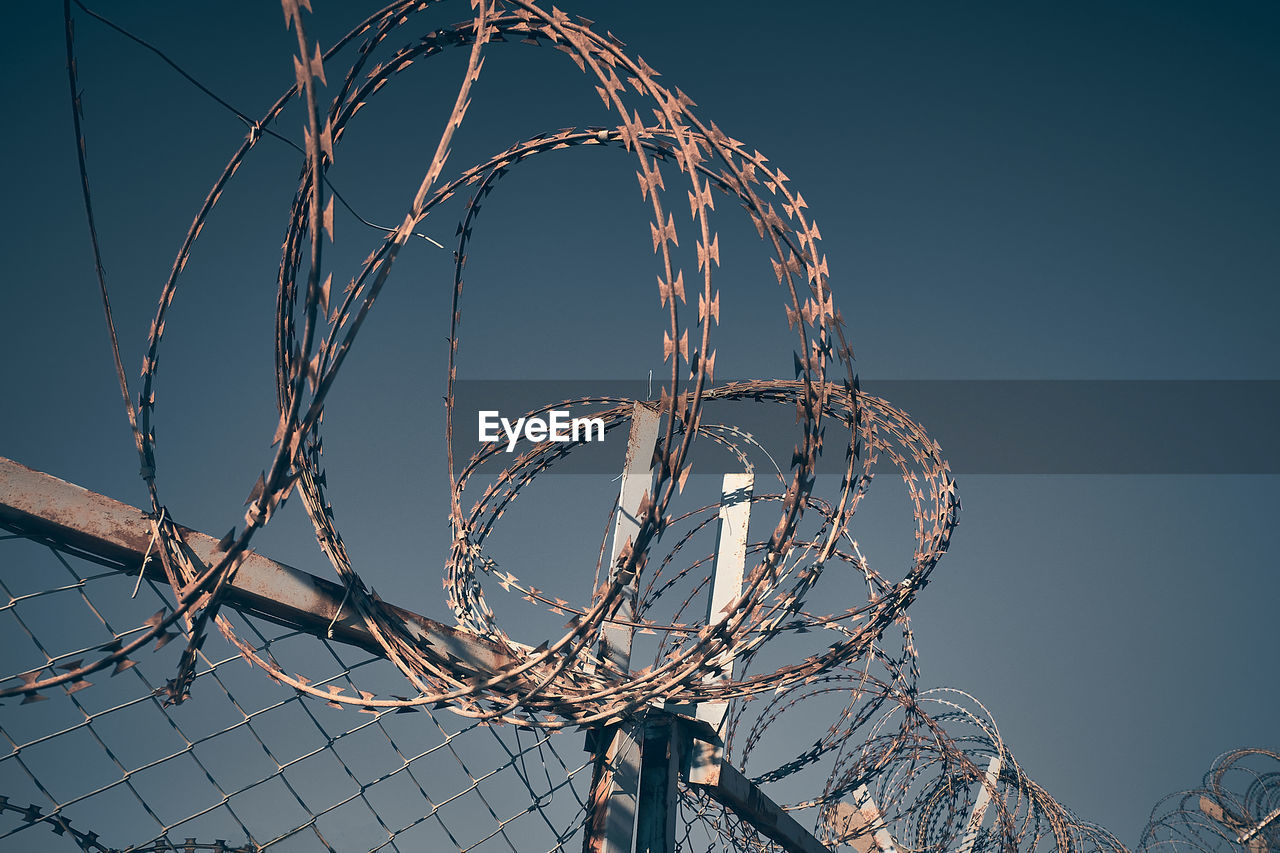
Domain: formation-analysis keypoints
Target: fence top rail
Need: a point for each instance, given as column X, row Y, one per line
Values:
column 43, row 507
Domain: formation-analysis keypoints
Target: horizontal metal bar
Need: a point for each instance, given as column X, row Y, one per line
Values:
column 724, row 783
column 45, row 508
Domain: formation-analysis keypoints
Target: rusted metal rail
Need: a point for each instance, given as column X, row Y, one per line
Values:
column 45, row 508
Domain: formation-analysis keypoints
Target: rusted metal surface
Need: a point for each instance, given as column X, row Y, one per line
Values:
column 615, row 789
column 850, row 827
column 43, row 507
column 861, row 826
column 872, row 822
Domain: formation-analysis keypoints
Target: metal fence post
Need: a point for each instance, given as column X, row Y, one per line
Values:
column 616, row 771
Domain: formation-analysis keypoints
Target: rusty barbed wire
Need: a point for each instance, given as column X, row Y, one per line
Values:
column 929, row 777
column 560, row 683
column 922, row 761
column 1236, row 808
column 920, row 778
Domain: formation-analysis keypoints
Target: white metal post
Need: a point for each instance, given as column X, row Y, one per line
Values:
column 615, row 786
column 637, row 480
column 980, row 806
column 862, row 816
column 726, row 574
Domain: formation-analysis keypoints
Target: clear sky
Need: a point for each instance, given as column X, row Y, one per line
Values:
column 1006, row 191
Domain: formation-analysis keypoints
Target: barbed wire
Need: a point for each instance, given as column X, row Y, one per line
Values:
column 923, row 762
column 1236, row 808
column 560, row 683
